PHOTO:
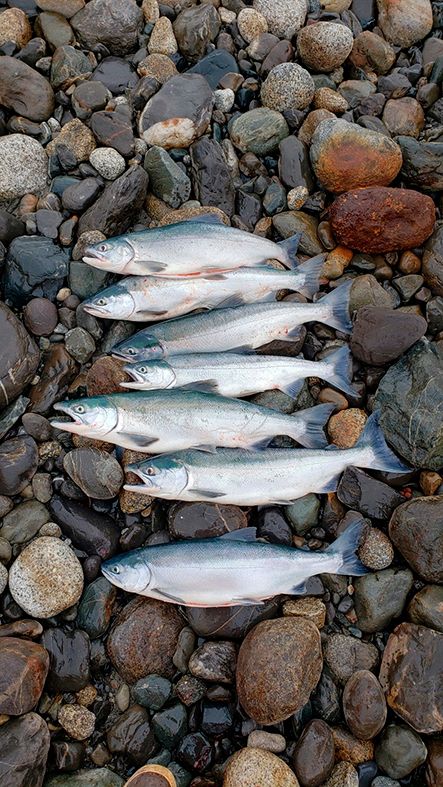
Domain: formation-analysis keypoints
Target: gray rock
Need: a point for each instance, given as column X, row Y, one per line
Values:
column 152, row 692
column 89, row 97
column 258, row 131
column 108, row 162
column 36, row 267
column 24, row 522
column 426, row 608
column 24, row 167
column 293, row 166
column 380, row 597
column 360, row 491
column 384, row 781
column 18, row 463
column 422, row 163
column 24, row 91
column 68, row 64
column 416, row 529
column 84, row 280
column 344, row 655
column 179, row 113
column 303, row 514
column 211, row 176
column 10, row 415
column 168, row 181
column 19, row 358
column 117, row 208
column 399, row 751
column 79, row 344
column 432, row 267
column 113, row 23
column 97, row 777
column 24, row 743
column 288, row 223
column 194, row 28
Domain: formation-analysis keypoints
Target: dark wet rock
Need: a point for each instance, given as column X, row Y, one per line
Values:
column 58, row 370
column 37, row 426
column 68, row 755
column 114, row 130
column 24, row 91
column 432, row 265
column 211, row 176
column 84, row 280
column 232, row 622
column 143, row 639
column 204, row 520
column 68, row 65
column 434, row 765
column 272, row 526
column 422, row 163
column 152, row 692
column 380, row 336
column 293, row 647
column 11, row 414
column 294, row 166
column 170, row 725
column 19, row 358
column 416, row 529
column 54, row 29
column 81, row 195
column 112, row 23
column 408, row 397
column 179, row 113
column 89, row 530
column 132, row 735
column 195, row 752
column 194, row 28
column 214, row 66
column 48, row 222
column 18, row 463
column 117, row 208
column 89, row 97
column 167, row 179
column 35, row 267
column 313, row 757
column 68, row 659
column 95, row 608
column 258, row 131
column 217, row 718
column 344, row 655
column 24, row 521
column 40, row 316
column 399, row 751
column 249, row 208
column 373, row 498
column 97, row 473
column 381, row 596
column 116, row 74
column 326, row 699
column 364, row 705
column 426, row 607
column 10, row 227
column 23, row 670
column 214, row 661
column 24, row 744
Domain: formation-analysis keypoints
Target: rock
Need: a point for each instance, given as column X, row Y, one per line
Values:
column 261, row 768
column 24, row 166
column 377, row 551
column 399, row 751
column 346, row 156
column 343, row 775
column 269, row 741
column 108, row 162
column 19, row 359
column 36, row 267
column 258, row 131
column 95, row 608
column 292, row 645
column 435, row 762
column 285, row 17
column 426, row 607
column 351, row 749
column 310, row 608
column 95, row 777
column 152, row 692
column 54, row 29
column 167, row 179
column 24, row 743
column 409, row 676
column 287, row 86
column 66, row 8
column 24, row 521
column 416, row 529
column 432, row 264
column 194, row 28
column 303, row 514
column 79, row 344
column 364, row 705
column 68, row 66
column 214, row 66
column 23, row 670
column 403, row 116
column 324, row 46
column 81, row 195
column 403, row 24
column 162, row 40
column 89, row 530
column 68, row 659
column 114, row 129
column 380, row 597
column 346, row 426
column 380, row 219
column 77, row 721
column 105, row 376
column 77, row 138
column 40, row 316
column 18, row 463
column 132, row 735
column 195, row 752
column 46, row 577
column 330, row 100
column 294, row 168
column 422, row 163
column 204, row 520
column 289, row 223
column 89, row 97
column 26, row 92
column 344, row 655
column 360, row 491
column 117, row 75
column 232, row 622
column 14, row 26
column 143, row 639
column 114, row 25
column 58, row 370
column 251, row 23
column 97, row 473
column 211, row 176
column 380, row 336
column 214, row 661
column 117, row 208
column 154, row 69
column 407, row 396
column 180, row 111
column 313, row 757
column 170, row 725
column 371, row 52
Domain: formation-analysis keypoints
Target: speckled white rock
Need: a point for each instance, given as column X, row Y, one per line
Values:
column 287, row 86
column 404, row 22
column 3, row 577
column 77, row 721
column 324, row 45
column 108, row 162
column 377, row 551
column 224, row 99
column 23, row 167
column 251, row 23
column 162, row 40
column 284, row 17
column 151, row 11
column 336, row 6
column 14, row 26
column 46, row 577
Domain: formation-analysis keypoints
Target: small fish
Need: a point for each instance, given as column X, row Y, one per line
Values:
column 188, row 248
column 152, row 298
column 234, row 569
column 241, row 329
column 160, row 421
column 276, row 476
column 229, row 374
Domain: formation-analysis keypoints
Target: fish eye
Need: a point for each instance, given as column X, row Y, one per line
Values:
column 79, row 409
column 131, row 351
column 115, row 570
column 103, row 247
column 150, row 471
column 102, row 301
column 143, row 369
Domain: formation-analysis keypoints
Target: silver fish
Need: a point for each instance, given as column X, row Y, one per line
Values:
column 152, row 298
column 241, row 329
column 234, row 569
column 160, row 421
column 275, row 476
column 188, row 248
column 230, row 374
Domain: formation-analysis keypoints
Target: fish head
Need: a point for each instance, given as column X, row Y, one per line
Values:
column 112, row 255
column 129, row 571
column 165, row 474
column 114, row 303
column 140, row 347
column 91, row 417
column 153, row 375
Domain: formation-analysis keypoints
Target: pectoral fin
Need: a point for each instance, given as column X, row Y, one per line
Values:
column 206, row 492
column 168, row 597
column 232, row 301
column 208, row 386
column 138, row 441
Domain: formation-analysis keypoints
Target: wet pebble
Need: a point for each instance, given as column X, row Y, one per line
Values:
column 364, row 705
column 259, row 767
column 18, row 464
column 132, row 735
column 426, row 607
column 23, row 670
column 152, row 692
column 97, row 473
column 344, row 655
column 214, row 661
column 380, row 335
column 24, row 744
column 399, row 751
column 313, row 757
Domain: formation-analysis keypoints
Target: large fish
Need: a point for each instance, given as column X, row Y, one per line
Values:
column 230, row 374
column 275, row 476
column 188, row 248
column 230, row 570
column 241, row 329
column 159, row 421
column 152, row 298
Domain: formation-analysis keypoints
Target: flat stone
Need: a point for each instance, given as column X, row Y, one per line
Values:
column 416, row 529
column 258, row 131
column 116, row 74
column 18, row 463
column 24, row 167
column 97, row 473
column 214, row 66
column 204, row 520
column 373, row 498
column 167, row 179
column 380, row 336
column 24, row 521
column 93, row 532
column 89, row 97
column 211, row 177
column 24, row 91
column 179, row 113
column 113, row 23
column 294, row 167
column 255, row 766
column 114, row 130
column 55, row 29
column 58, row 370
column 65, row 7
column 24, row 743
column 19, row 359
column 23, row 670
column 68, row 66
column 380, row 597
column 117, row 208
column 132, row 735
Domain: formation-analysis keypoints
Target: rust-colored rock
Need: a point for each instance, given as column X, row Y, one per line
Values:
column 364, row 705
column 105, row 376
column 380, row 219
column 350, row 749
column 410, row 676
column 23, row 669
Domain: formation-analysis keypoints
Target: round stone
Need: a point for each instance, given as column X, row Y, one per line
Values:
column 258, row 767
column 40, row 316
column 287, row 86
column 313, row 757
column 371, row 52
column 403, row 116
column 77, row 137
column 416, row 529
column 324, row 46
column 345, row 654
column 224, row 99
column 14, row 26
column 108, row 162
column 426, row 607
column 284, row 17
column 399, row 751
column 364, row 705
column 96, row 472
column 376, row 552
column 327, row 99
column 77, row 721
column 24, row 166
column 46, row 578
column 258, row 131
column 251, row 23
column 269, row 741
column 345, row 427
column 402, row 22
column 310, row 608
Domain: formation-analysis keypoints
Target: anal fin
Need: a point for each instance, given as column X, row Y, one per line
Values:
column 299, row 589
column 246, row 602
column 293, row 388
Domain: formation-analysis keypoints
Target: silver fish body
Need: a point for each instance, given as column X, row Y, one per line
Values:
column 232, row 374
column 234, row 569
column 153, row 298
column 163, row 421
column 242, row 329
column 187, row 248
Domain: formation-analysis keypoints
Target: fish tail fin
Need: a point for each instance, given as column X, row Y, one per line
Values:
column 379, row 455
column 289, row 248
column 310, row 273
column 337, row 303
column 309, row 425
column 344, row 551
column 338, row 370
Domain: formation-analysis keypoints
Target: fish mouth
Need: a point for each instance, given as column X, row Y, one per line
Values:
column 133, row 384
column 142, row 489
column 95, row 258
column 67, row 426
column 96, row 311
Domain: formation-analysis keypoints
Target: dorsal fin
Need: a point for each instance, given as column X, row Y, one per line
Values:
column 244, row 534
